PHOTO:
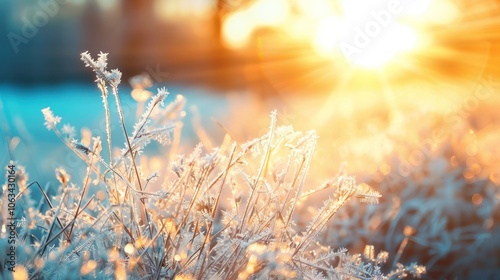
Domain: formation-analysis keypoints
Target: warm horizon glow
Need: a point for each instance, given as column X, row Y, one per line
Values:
column 365, row 35
column 238, row 27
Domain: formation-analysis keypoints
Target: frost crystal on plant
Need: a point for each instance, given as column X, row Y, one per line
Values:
column 233, row 212
column 50, row 120
column 99, row 67
column 68, row 131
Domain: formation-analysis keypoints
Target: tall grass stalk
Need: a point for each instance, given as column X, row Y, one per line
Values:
column 234, row 212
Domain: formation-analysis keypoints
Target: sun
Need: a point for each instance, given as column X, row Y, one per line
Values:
column 363, row 56
column 369, row 35
column 369, row 47
column 364, row 34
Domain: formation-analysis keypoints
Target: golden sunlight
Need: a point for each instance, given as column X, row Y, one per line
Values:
column 399, row 39
column 238, row 27
column 364, row 35
column 372, row 34
column 292, row 114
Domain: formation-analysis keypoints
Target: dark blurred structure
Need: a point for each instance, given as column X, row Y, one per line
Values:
column 43, row 40
column 179, row 41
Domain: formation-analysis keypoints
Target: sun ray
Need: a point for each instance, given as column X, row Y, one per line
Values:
column 325, row 111
column 441, row 44
column 395, row 113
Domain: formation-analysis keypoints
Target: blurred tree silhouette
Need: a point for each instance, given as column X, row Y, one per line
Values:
column 186, row 46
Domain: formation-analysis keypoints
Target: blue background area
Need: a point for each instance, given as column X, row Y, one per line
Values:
column 80, row 105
